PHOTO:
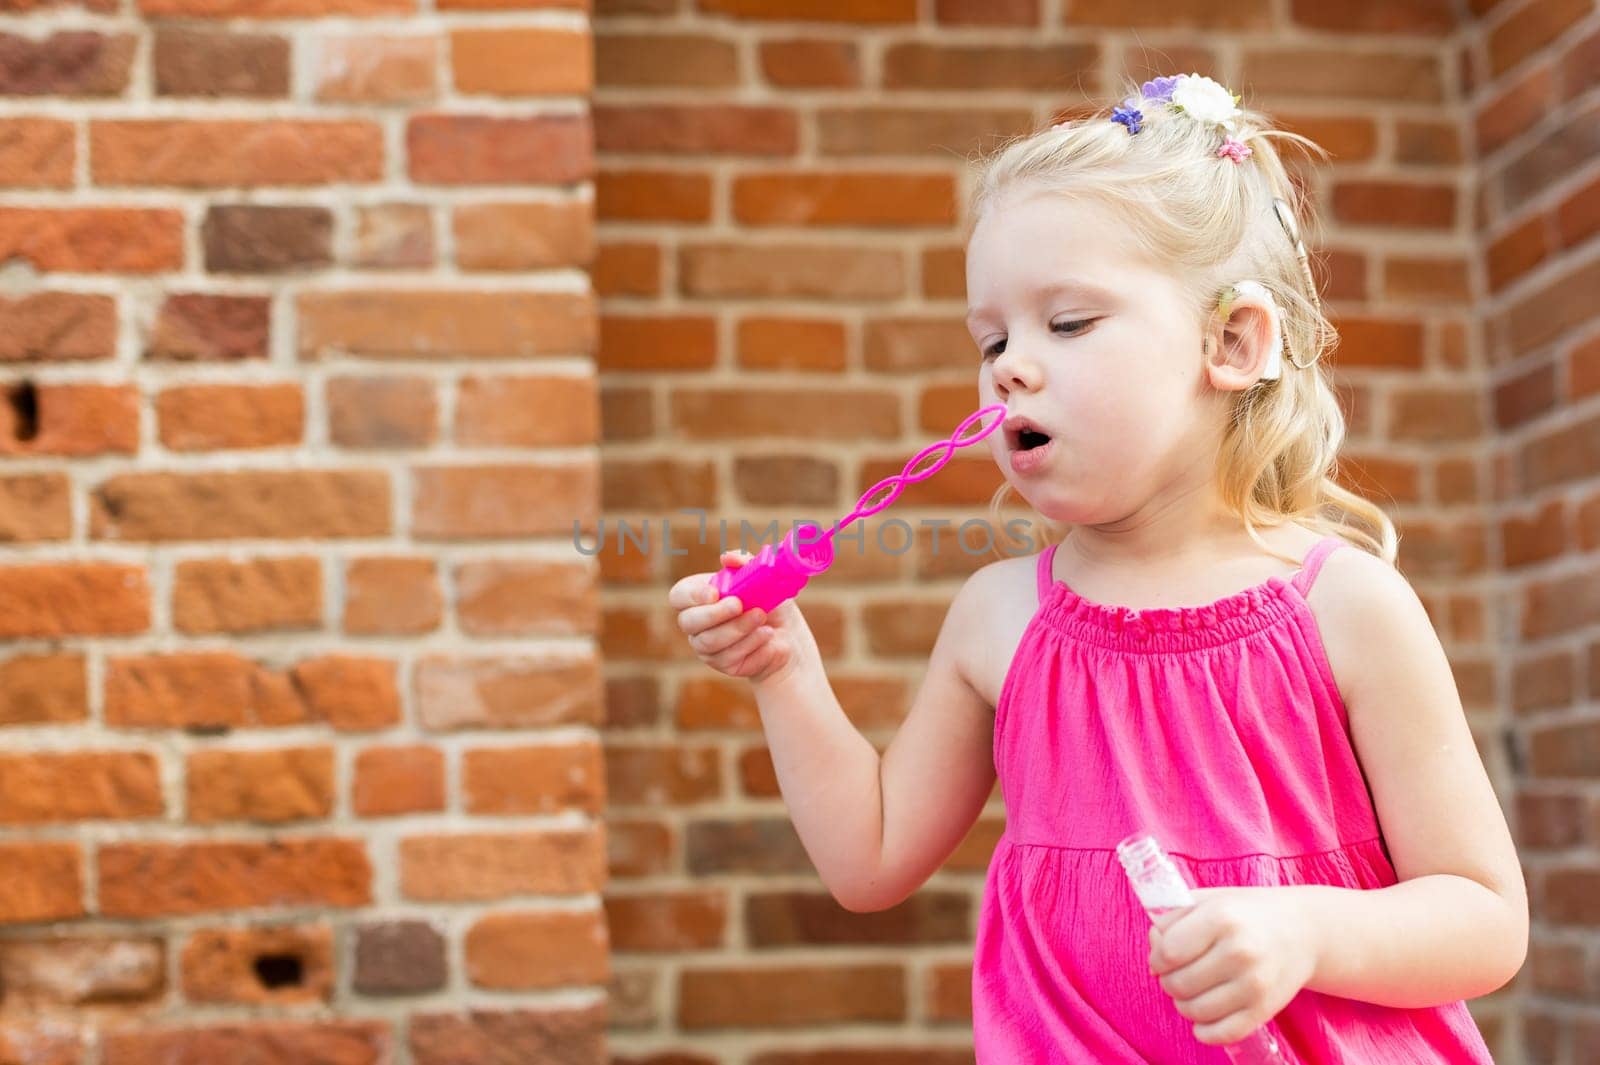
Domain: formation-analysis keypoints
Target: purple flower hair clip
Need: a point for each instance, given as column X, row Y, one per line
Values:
column 1234, row 149
column 1131, row 117
column 1160, row 88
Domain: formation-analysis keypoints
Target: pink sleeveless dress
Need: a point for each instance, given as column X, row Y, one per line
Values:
column 1219, row 729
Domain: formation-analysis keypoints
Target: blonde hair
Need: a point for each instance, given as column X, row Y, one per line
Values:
column 1210, row 222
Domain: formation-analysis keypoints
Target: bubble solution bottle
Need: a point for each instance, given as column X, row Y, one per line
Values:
column 1161, row 888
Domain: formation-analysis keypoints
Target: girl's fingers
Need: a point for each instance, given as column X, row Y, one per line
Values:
column 1215, row 1004
column 698, row 619
column 718, row 639
column 731, row 659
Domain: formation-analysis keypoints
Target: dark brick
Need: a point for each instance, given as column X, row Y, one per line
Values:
column 399, row 958
column 244, row 238
column 204, row 63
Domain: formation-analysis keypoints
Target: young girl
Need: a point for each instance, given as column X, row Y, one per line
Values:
column 1217, row 652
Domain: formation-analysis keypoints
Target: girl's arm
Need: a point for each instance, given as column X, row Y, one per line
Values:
column 877, row 828
column 1456, row 926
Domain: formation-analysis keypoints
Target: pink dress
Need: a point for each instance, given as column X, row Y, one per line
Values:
column 1219, row 729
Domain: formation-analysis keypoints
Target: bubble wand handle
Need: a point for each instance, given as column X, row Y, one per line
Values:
column 1161, row 888
column 780, row 570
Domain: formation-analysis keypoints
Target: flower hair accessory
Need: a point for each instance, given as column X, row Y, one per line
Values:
column 1194, row 96
column 1256, row 290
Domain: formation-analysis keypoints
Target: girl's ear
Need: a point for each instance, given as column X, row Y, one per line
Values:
column 1238, row 349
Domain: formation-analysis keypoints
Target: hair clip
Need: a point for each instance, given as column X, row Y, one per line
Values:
column 1235, row 149
column 1131, row 117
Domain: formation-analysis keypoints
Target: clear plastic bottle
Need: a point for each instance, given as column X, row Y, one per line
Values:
column 1162, row 888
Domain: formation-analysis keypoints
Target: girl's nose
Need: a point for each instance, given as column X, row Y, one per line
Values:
column 1014, row 371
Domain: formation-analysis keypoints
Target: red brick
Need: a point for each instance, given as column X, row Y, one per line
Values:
column 1409, row 279
column 457, row 502
column 1412, row 16
column 378, row 69
column 943, row 67
column 492, row 150
column 1377, row 343
column 526, row 597
column 230, row 965
column 1436, row 414
column 1528, row 29
column 533, row 780
column 158, row 879
column 43, row 882
column 197, row 689
column 34, row 507
column 661, row 60
column 441, row 324
column 1554, row 607
column 630, row 268
column 522, row 61
column 852, row 199
column 256, row 504
column 1560, row 303
column 811, row 64
column 382, row 412
column 202, row 417
column 244, row 238
column 1280, row 71
column 201, row 326
column 788, row 271
column 510, row 1035
column 1578, row 216
column 1514, row 110
column 507, row 692
column 791, row 344
column 289, row 784
column 1393, row 203
column 652, row 196
column 923, row 131
column 69, row 419
column 533, row 951
column 988, row 12
column 659, row 775
column 695, row 129
column 494, row 865
column 41, row 1042
column 263, row 594
column 273, row 9
column 398, row 780
column 1384, row 480
column 1584, row 369
column 42, row 975
column 720, row 414
column 388, row 596
column 52, row 326
column 626, row 413
column 1526, row 396
column 724, row 997
column 527, row 411
column 524, row 236
column 68, row 63
column 43, row 689
column 40, row 787
column 637, row 342
column 1535, row 536
column 125, row 240
column 668, row 921
column 849, row 11
column 393, row 236
column 276, row 1042
column 1517, row 251
column 1206, row 14
column 196, row 153
column 1348, row 138
column 351, row 693
column 53, row 599
column 36, row 152
column 189, row 62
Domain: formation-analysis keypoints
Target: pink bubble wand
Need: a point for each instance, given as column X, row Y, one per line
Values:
column 780, row 570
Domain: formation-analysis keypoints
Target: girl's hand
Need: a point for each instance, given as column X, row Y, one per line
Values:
column 1234, row 959
column 730, row 639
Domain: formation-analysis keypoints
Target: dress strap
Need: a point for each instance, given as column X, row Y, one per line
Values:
column 1314, row 559
column 1045, row 580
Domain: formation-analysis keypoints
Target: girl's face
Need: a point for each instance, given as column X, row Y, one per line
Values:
column 1094, row 347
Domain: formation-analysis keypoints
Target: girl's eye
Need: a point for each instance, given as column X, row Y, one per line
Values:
column 1069, row 328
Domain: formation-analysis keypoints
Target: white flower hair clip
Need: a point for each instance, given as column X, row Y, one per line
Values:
column 1256, row 290
column 1195, row 96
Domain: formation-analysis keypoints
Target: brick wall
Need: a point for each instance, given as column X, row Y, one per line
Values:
column 299, row 694
column 781, row 292
column 299, row 699
column 1536, row 124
